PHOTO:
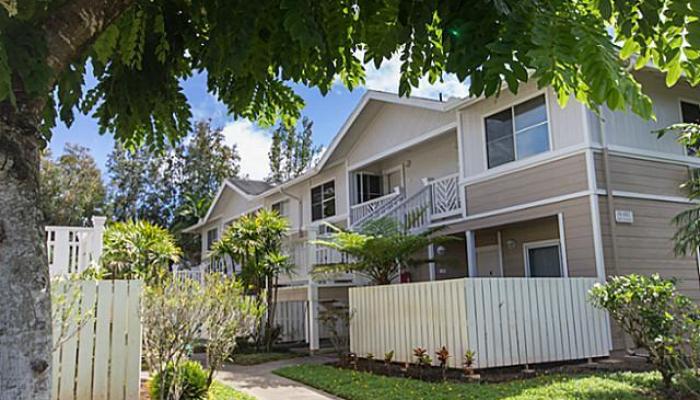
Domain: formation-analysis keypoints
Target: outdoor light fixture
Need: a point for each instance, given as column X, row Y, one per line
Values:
column 511, row 243
column 441, row 250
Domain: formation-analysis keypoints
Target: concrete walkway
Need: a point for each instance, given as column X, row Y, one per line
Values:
column 260, row 382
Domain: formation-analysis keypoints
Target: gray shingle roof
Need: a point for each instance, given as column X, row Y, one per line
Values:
column 251, row 187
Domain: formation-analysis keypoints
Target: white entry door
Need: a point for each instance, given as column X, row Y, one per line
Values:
column 488, row 261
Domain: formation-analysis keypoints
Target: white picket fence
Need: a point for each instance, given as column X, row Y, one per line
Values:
column 506, row 321
column 72, row 249
column 102, row 360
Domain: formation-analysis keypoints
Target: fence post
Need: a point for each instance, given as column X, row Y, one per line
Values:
column 98, row 231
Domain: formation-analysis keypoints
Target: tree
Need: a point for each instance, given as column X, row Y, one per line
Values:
column 255, row 243
column 379, row 251
column 252, row 52
column 291, row 152
column 138, row 250
column 205, row 162
column 71, row 187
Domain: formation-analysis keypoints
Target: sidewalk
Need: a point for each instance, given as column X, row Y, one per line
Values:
column 260, row 382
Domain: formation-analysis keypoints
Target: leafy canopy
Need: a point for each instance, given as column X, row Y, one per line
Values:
column 253, row 50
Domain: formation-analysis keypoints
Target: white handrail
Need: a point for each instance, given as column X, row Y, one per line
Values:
column 362, row 211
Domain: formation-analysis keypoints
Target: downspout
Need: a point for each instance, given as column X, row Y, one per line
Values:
column 609, row 196
column 301, row 209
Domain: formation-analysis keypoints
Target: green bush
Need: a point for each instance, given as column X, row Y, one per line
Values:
column 191, row 382
column 656, row 316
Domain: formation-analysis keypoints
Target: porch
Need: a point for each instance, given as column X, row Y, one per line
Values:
column 418, row 186
column 533, row 248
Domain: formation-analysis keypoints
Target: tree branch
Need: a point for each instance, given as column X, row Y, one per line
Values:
column 74, row 26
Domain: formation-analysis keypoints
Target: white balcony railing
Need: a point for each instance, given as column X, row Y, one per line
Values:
column 445, row 197
column 360, row 212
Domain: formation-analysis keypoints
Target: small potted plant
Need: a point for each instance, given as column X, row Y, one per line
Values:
column 443, row 356
column 387, row 359
column 469, row 358
column 352, row 358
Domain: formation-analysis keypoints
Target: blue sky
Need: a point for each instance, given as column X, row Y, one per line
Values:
column 327, row 112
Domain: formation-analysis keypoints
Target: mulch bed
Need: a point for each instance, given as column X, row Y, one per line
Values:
column 496, row 375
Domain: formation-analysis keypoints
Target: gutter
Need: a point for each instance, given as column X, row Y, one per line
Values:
column 609, row 197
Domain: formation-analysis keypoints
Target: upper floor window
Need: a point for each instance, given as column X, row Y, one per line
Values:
column 282, row 208
column 369, row 186
column 690, row 112
column 212, row 236
column 323, row 201
column 517, row 132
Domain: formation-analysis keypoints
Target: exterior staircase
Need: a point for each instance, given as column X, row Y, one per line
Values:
column 437, row 200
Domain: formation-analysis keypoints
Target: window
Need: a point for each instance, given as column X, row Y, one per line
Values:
column 518, row 132
column 212, row 236
column 369, row 186
column 690, row 113
column 543, row 259
column 282, row 208
column 323, row 201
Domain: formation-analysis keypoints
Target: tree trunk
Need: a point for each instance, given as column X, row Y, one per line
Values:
column 25, row 311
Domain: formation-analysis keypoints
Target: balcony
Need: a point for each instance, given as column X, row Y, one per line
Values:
column 438, row 200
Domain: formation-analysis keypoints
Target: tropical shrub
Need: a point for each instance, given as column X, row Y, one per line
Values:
column 228, row 315
column 657, row 318
column 378, row 251
column 138, row 250
column 443, row 355
column 184, row 381
column 172, row 316
column 336, row 319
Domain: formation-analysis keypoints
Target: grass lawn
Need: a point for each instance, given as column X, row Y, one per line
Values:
column 219, row 391
column 259, row 358
column 354, row 385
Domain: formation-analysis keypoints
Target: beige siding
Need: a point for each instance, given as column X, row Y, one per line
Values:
column 393, row 126
column 628, row 130
column 642, row 176
column 557, row 178
column 565, row 124
column 646, row 246
column 578, row 230
column 522, row 233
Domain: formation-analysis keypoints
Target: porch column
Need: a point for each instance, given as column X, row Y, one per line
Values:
column 431, row 263
column 313, row 316
column 312, row 294
column 471, row 253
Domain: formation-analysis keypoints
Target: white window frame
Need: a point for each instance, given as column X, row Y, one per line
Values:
column 216, row 237
column 527, row 246
column 359, row 188
column 682, row 100
column 284, row 207
column 511, row 106
column 323, row 200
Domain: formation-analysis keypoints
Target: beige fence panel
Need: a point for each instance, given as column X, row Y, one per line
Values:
column 506, row 321
column 101, row 358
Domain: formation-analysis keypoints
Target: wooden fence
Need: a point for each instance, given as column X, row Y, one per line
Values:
column 506, row 321
column 99, row 355
column 72, row 249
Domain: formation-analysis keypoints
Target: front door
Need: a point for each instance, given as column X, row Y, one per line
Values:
column 543, row 260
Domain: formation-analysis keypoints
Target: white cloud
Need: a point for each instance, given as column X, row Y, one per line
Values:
column 253, row 145
column 386, row 79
